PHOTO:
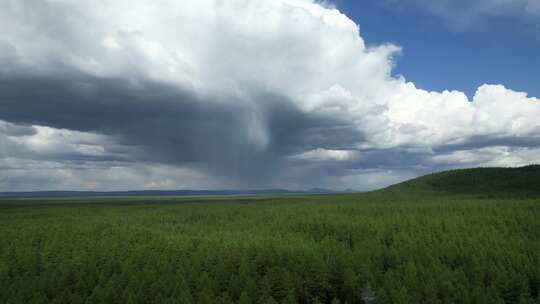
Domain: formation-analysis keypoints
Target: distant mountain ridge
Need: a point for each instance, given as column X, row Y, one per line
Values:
column 491, row 182
column 523, row 181
column 65, row 194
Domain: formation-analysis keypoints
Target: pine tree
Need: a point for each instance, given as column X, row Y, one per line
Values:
column 206, row 297
column 368, row 295
column 225, row 298
column 291, row 297
column 251, row 288
column 400, row 296
column 244, row 298
column 271, row 300
column 349, row 285
column 336, row 301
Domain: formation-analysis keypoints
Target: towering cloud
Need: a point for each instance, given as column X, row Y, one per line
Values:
column 209, row 93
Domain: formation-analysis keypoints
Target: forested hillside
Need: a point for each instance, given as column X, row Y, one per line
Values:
column 364, row 248
column 492, row 182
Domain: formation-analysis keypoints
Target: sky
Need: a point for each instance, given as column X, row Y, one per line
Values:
column 457, row 45
column 245, row 94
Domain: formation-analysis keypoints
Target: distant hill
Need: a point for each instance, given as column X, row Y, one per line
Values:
column 488, row 182
column 66, row 194
column 518, row 182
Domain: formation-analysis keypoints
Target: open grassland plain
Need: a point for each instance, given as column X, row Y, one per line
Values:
column 389, row 246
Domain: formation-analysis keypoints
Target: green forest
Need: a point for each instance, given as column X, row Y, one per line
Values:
column 416, row 242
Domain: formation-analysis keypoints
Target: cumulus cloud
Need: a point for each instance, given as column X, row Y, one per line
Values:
column 230, row 93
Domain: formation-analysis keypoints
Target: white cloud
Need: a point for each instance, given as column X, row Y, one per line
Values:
column 310, row 53
column 50, row 141
column 497, row 156
column 431, row 118
column 321, row 154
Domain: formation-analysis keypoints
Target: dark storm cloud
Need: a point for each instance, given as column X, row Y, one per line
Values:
column 293, row 131
column 171, row 125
